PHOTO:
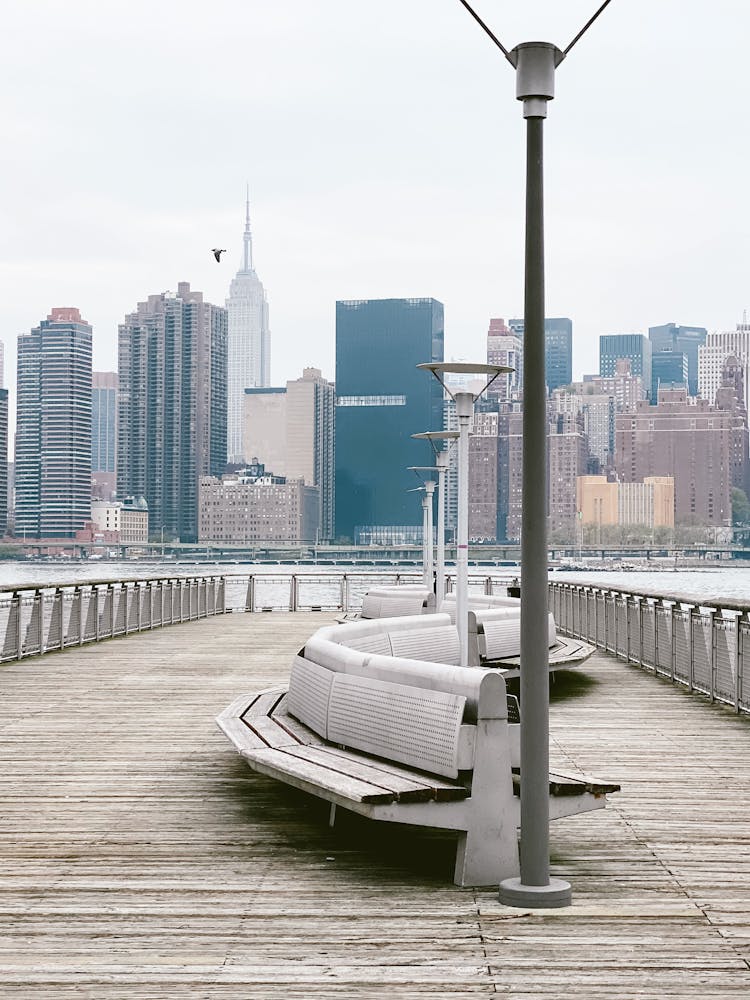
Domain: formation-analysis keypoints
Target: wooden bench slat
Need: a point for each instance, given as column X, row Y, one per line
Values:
column 313, row 777
column 263, row 704
column 565, row 784
column 304, row 735
column 347, row 765
column 443, row 790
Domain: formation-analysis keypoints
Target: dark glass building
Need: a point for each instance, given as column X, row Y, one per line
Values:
column 558, row 349
column 381, row 400
column 669, row 370
column 687, row 339
column 633, row 346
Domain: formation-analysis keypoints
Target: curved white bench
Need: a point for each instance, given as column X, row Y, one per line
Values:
column 388, row 602
column 400, row 739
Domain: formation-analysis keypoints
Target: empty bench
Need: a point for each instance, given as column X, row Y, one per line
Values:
column 403, row 740
column 495, row 639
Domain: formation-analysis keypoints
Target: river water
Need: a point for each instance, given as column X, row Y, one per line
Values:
column 710, row 583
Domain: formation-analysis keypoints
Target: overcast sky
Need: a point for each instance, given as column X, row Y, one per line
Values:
column 384, row 150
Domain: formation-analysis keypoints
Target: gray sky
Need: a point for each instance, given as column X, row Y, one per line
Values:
column 385, row 154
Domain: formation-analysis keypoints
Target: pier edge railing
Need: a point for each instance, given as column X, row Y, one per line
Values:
column 702, row 645
column 42, row 618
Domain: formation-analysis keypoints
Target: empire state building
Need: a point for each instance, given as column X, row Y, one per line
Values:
column 248, row 345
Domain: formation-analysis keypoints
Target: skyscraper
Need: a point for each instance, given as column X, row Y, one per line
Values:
column 558, row 348
column 248, row 342
column 684, row 339
column 633, row 346
column 713, row 354
column 290, row 430
column 53, row 427
column 505, row 347
column 103, row 434
column 172, row 409
column 382, row 399
column 3, row 461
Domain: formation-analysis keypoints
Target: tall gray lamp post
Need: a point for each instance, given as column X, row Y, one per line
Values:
column 535, row 64
column 464, row 411
column 441, row 467
column 428, row 488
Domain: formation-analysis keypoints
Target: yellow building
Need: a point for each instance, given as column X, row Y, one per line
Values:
column 650, row 503
column 596, row 500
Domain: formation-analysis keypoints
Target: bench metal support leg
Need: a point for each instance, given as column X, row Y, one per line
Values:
column 488, row 851
column 332, row 815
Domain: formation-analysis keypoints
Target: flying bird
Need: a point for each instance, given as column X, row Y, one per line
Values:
column 217, row 254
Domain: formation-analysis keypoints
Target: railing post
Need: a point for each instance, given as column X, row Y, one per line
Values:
column 293, row 592
column 19, row 628
column 738, row 664
column 691, row 645
column 40, row 623
column 673, row 651
column 628, row 602
column 344, row 593
column 712, row 658
column 606, row 624
column 81, row 616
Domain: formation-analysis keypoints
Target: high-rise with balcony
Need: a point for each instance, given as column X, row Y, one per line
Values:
column 381, row 400
column 53, row 427
column 172, row 408
column 248, row 342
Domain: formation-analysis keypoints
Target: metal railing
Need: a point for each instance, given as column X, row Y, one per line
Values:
column 40, row 619
column 47, row 617
column 702, row 645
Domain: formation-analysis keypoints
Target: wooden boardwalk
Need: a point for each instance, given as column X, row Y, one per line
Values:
column 140, row 858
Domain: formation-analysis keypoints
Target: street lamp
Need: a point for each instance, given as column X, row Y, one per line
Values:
column 464, row 411
column 441, row 467
column 428, row 488
column 427, row 526
column 535, row 64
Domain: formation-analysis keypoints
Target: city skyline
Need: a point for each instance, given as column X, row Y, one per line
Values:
column 370, row 185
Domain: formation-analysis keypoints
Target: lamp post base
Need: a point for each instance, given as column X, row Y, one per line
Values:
column 514, row 893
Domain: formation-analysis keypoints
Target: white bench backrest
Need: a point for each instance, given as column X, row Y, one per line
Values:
column 498, row 632
column 388, row 602
column 428, row 637
column 478, row 602
column 410, row 711
column 406, row 724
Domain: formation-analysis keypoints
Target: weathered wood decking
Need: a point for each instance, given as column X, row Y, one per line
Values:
column 140, row 858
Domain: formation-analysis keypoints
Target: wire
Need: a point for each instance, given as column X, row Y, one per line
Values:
column 505, row 52
column 494, row 38
column 586, row 27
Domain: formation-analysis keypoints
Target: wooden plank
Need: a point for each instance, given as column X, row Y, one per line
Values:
column 286, row 765
column 142, row 858
column 406, row 787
